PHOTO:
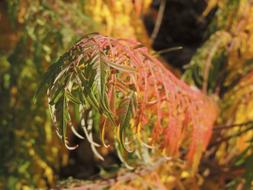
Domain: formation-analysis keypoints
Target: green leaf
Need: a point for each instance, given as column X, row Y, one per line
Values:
column 125, row 112
column 73, row 98
column 120, row 153
column 121, row 67
column 57, row 95
column 63, row 117
column 48, row 78
column 100, row 78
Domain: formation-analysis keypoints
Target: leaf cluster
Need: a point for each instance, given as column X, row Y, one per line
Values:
column 135, row 96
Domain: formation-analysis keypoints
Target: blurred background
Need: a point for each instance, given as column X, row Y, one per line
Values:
column 33, row 34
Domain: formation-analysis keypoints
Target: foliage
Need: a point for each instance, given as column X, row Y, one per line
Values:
column 227, row 54
column 26, row 127
column 40, row 32
column 223, row 66
column 236, row 141
column 133, row 94
column 120, row 18
column 115, row 94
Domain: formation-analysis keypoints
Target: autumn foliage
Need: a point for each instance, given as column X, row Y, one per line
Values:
column 127, row 122
column 133, row 93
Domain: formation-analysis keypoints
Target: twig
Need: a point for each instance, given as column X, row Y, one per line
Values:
column 167, row 50
column 231, row 136
column 220, row 127
column 158, row 20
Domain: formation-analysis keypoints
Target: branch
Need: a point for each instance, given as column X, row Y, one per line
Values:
column 158, row 20
column 220, row 127
column 231, row 136
column 123, row 178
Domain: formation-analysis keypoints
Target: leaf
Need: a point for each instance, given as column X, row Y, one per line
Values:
column 88, row 92
column 48, row 78
column 80, row 75
column 125, row 114
column 73, row 98
column 100, row 78
column 92, row 100
column 120, row 153
column 62, row 112
column 121, row 67
column 104, row 123
column 70, row 147
column 76, row 133
column 57, row 95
